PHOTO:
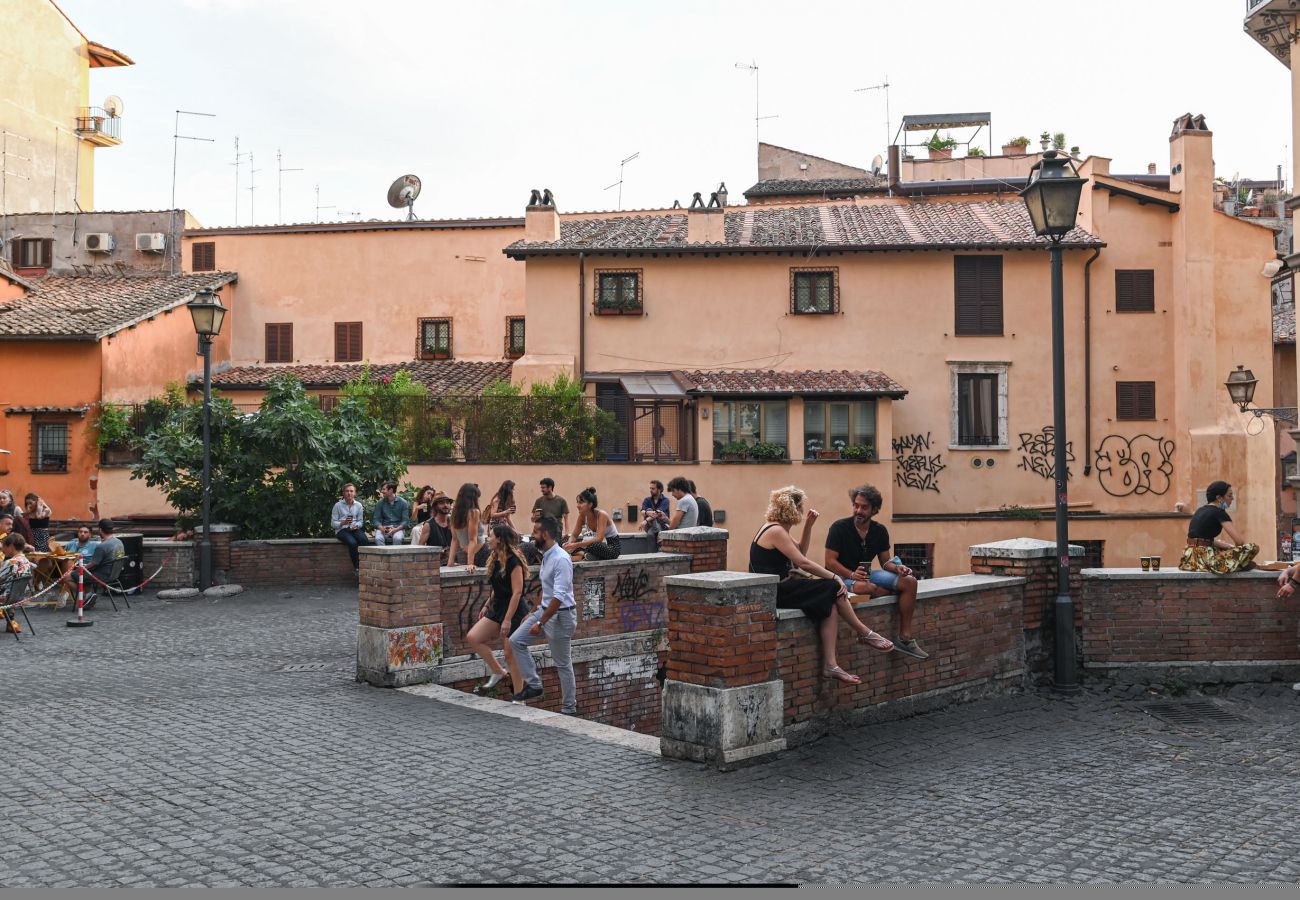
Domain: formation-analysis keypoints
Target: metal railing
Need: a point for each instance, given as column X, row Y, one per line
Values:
column 96, row 120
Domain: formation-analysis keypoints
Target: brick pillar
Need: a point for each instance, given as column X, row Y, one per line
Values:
column 707, row 547
column 222, row 537
column 723, row 701
column 1035, row 561
column 399, row 639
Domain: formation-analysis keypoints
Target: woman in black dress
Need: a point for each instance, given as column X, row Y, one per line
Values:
column 505, row 609
column 1213, row 544
column 824, row 599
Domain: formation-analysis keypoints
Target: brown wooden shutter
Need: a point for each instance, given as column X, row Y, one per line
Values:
column 203, row 256
column 1135, row 290
column 279, row 342
column 1135, row 400
column 978, row 295
column 347, row 341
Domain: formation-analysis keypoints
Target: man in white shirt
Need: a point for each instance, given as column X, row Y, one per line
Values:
column 346, row 520
column 687, row 513
column 556, row 615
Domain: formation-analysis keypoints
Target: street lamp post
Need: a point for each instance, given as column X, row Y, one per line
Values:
column 208, row 315
column 1052, row 198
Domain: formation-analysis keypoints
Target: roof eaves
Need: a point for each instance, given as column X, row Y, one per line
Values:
column 327, row 227
column 220, row 282
column 515, row 251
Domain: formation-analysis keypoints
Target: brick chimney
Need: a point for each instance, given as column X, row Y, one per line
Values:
column 705, row 224
column 541, row 219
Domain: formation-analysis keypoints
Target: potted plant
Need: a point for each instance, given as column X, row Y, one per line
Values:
column 734, row 451
column 835, row 451
column 1016, row 146
column 767, row 452
column 859, row 453
column 940, row 147
column 974, row 151
column 115, row 436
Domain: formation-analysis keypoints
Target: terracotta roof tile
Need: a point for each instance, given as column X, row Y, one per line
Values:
column 38, row 410
column 807, row 381
column 440, row 378
column 983, row 224
column 91, row 307
column 817, row 187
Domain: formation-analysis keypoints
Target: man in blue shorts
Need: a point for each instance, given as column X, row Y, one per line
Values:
column 852, row 542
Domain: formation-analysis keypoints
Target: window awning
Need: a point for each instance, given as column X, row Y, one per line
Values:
column 644, row 385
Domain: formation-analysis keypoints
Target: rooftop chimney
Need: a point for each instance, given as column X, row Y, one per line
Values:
column 706, row 224
column 541, row 219
column 1151, row 168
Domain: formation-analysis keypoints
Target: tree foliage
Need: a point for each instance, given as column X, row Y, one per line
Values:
column 275, row 472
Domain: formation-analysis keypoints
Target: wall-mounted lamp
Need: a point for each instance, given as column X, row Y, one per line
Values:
column 1241, row 388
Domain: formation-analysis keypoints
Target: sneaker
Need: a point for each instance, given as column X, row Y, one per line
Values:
column 90, row 602
column 569, row 712
column 910, row 648
column 528, row 693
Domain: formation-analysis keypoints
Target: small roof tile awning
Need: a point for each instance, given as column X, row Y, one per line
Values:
column 656, row 385
column 102, row 57
column 805, row 382
column 47, row 410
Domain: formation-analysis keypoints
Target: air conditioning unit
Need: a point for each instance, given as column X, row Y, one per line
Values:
column 99, row 242
column 151, row 243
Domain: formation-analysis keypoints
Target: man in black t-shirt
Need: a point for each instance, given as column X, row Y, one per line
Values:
column 852, row 543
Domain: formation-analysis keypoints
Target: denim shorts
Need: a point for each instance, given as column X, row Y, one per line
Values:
column 878, row 577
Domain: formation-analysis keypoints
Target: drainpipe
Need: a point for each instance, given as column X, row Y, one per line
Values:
column 1087, row 362
column 582, row 318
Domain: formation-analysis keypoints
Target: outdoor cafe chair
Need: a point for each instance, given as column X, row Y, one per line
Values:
column 15, row 590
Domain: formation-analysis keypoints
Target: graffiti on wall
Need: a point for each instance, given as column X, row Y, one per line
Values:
column 914, row 465
column 637, row 609
column 1135, row 466
column 593, row 595
column 480, row 592
column 1038, row 453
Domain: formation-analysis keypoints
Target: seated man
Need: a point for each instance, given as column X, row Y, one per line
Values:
column 100, row 564
column 852, row 542
column 391, row 514
column 346, row 520
column 687, row 513
column 654, row 510
column 85, row 544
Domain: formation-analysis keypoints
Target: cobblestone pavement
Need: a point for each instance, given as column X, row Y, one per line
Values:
column 163, row 746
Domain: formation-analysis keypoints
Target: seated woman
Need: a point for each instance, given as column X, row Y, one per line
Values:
column 467, row 529
column 501, row 507
column 604, row 542
column 38, row 519
column 823, row 599
column 16, row 564
column 1213, row 544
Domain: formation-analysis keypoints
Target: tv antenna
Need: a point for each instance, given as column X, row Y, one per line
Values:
column 279, row 187
column 753, row 67
column 619, row 184
column 318, row 205
column 177, row 137
column 883, row 86
column 238, row 161
column 252, row 190
column 403, row 192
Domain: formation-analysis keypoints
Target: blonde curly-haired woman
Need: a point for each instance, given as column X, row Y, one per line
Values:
column 822, row 598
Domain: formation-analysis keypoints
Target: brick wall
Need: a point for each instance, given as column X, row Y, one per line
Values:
column 721, row 645
column 398, row 587
column 302, row 561
column 974, row 638
column 1131, row 617
column 179, row 562
column 1040, row 584
column 707, row 547
column 614, row 596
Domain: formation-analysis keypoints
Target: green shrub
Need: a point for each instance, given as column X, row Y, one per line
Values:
column 767, row 451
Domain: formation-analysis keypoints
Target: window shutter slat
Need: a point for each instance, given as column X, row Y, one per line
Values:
column 1135, row 290
column 340, row 341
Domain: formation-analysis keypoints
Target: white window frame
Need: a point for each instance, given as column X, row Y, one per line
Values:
column 980, row 368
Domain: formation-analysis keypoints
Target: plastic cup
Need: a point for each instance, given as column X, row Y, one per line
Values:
column 1155, row 564
column 1145, row 562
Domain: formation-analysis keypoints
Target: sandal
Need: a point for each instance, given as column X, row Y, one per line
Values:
column 840, row 675
column 876, row 641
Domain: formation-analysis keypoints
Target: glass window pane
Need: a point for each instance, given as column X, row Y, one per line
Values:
column 775, row 422
column 864, row 422
column 824, row 284
column 747, row 422
column 814, row 427
column 839, row 426
column 722, row 422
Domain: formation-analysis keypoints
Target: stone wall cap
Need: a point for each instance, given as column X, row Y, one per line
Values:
column 286, row 542
column 1175, row 573
column 697, row 533
column 929, row 590
column 219, row 528
column 720, row 581
column 631, row 558
column 401, row 550
column 1021, row 548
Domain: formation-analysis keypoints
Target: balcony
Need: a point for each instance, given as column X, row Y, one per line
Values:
column 1273, row 25
column 95, row 125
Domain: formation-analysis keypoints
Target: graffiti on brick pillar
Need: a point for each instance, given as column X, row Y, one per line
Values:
column 637, row 609
column 914, row 465
column 593, row 598
column 1135, row 466
column 1038, row 453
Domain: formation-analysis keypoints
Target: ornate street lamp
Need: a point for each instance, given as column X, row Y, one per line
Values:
column 1052, row 198
column 1241, row 388
column 208, row 315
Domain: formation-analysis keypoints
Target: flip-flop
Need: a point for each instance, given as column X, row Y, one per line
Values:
column 840, row 675
column 877, row 641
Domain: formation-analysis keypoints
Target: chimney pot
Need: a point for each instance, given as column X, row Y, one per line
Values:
column 1151, row 168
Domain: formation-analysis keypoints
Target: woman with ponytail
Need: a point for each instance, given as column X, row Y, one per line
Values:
column 604, row 542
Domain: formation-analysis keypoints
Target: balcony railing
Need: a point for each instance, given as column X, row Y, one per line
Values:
column 96, row 125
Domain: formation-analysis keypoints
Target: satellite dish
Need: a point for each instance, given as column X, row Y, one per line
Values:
column 113, row 105
column 403, row 192
column 876, row 163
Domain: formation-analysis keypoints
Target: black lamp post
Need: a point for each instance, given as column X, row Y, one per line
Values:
column 1052, row 197
column 208, row 315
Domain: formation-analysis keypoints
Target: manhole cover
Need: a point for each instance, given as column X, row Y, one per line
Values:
column 305, row 667
column 1193, row 712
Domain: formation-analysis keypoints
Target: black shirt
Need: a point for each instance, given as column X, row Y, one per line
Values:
column 502, row 589
column 853, row 551
column 436, row 535
column 705, row 517
column 1207, row 522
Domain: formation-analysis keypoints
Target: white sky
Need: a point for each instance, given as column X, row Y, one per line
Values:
column 487, row 100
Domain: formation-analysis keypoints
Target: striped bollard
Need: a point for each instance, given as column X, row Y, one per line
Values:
column 81, row 621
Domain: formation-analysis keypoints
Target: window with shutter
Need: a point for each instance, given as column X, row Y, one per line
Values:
column 1135, row 400
column 814, row 291
column 347, row 342
column 32, row 253
column 435, row 339
column 977, row 295
column 279, row 342
column 1135, row 290
column 203, row 256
